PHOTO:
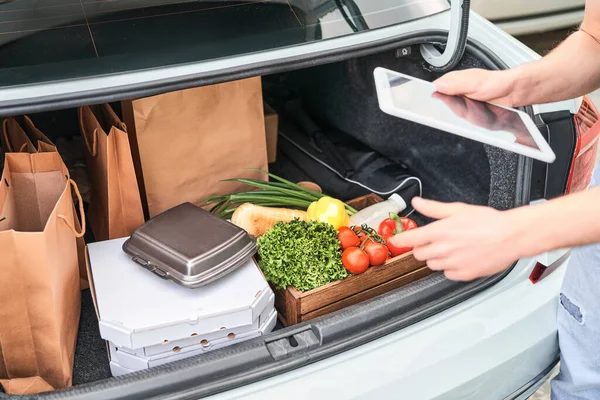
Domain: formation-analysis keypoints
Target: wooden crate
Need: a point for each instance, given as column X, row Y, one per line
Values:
column 295, row 306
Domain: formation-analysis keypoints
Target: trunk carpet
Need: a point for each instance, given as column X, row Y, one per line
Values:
column 91, row 357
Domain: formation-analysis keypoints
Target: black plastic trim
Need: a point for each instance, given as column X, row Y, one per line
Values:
column 251, row 361
column 560, row 132
column 537, row 381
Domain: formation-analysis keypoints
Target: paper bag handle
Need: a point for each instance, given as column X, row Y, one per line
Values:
column 93, row 148
column 81, row 212
column 84, row 132
column 9, row 148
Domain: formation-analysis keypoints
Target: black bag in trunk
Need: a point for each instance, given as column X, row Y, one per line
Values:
column 341, row 165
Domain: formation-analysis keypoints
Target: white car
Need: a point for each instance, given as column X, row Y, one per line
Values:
column 534, row 16
column 494, row 338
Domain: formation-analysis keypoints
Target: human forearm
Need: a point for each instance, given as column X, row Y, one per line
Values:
column 469, row 242
column 571, row 70
column 568, row 221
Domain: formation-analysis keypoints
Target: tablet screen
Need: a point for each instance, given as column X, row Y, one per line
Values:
column 421, row 98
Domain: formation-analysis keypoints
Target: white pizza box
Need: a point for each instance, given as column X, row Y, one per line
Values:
column 132, row 362
column 117, row 370
column 138, row 309
column 206, row 339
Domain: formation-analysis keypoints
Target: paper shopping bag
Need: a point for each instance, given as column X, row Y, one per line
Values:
column 185, row 142
column 39, row 274
column 21, row 138
column 115, row 207
column 14, row 138
column 26, row 138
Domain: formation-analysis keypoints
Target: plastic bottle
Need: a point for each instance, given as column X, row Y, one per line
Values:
column 374, row 214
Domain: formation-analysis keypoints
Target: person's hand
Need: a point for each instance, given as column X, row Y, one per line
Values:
column 467, row 242
column 479, row 84
column 478, row 113
column 487, row 116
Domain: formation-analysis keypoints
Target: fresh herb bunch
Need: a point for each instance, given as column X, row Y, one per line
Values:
column 303, row 254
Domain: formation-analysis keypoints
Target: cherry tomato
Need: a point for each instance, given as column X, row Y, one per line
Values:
column 348, row 238
column 360, row 233
column 377, row 252
column 395, row 224
column 355, row 260
column 395, row 250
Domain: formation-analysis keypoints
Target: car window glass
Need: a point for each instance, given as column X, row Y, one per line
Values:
column 42, row 40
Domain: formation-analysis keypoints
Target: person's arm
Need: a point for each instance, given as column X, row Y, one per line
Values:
column 569, row 71
column 469, row 242
column 568, row 221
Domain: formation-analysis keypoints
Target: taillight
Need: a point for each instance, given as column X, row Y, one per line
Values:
column 587, row 125
column 544, row 268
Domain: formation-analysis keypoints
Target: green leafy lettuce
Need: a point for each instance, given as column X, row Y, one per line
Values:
column 303, row 254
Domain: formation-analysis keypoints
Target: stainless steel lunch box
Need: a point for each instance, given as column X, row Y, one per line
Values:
column 189, row 246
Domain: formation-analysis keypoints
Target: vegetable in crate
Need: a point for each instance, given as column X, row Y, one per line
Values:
column 278, row 192
column 377, row 252
column 370, row 245
column 355, row 260
column 395, row 249
column 257, row 220
column 329, row 210
column 302, row 254
column 392, row 226
column 347, row 238
column 395, row 224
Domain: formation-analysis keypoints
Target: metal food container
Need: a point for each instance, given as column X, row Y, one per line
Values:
column 189, row 246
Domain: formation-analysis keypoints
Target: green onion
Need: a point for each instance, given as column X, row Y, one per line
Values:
column 277, row 193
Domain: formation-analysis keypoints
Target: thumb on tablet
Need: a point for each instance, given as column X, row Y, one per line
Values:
column 454, row 83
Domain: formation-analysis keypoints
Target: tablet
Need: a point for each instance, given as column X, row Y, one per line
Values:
column 417, row 100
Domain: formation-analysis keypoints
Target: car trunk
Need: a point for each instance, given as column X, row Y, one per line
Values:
column 341, row 96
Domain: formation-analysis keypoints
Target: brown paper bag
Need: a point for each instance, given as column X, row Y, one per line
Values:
column 14, row 138
column 185, row 142
column 39, row 275
column 1, row 158
column 17, row 139
column 115, row 208
column 271, row 132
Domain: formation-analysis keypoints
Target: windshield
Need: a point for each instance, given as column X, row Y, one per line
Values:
column 44, row 40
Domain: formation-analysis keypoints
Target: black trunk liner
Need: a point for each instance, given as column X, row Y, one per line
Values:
column 91, row 357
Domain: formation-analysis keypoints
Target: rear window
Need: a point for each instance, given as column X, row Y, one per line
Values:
column 45, row 40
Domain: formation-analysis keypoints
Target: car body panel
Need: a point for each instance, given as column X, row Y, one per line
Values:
column 519, row 17
column 541, row 24
column 510, row 9
column 486, row 347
